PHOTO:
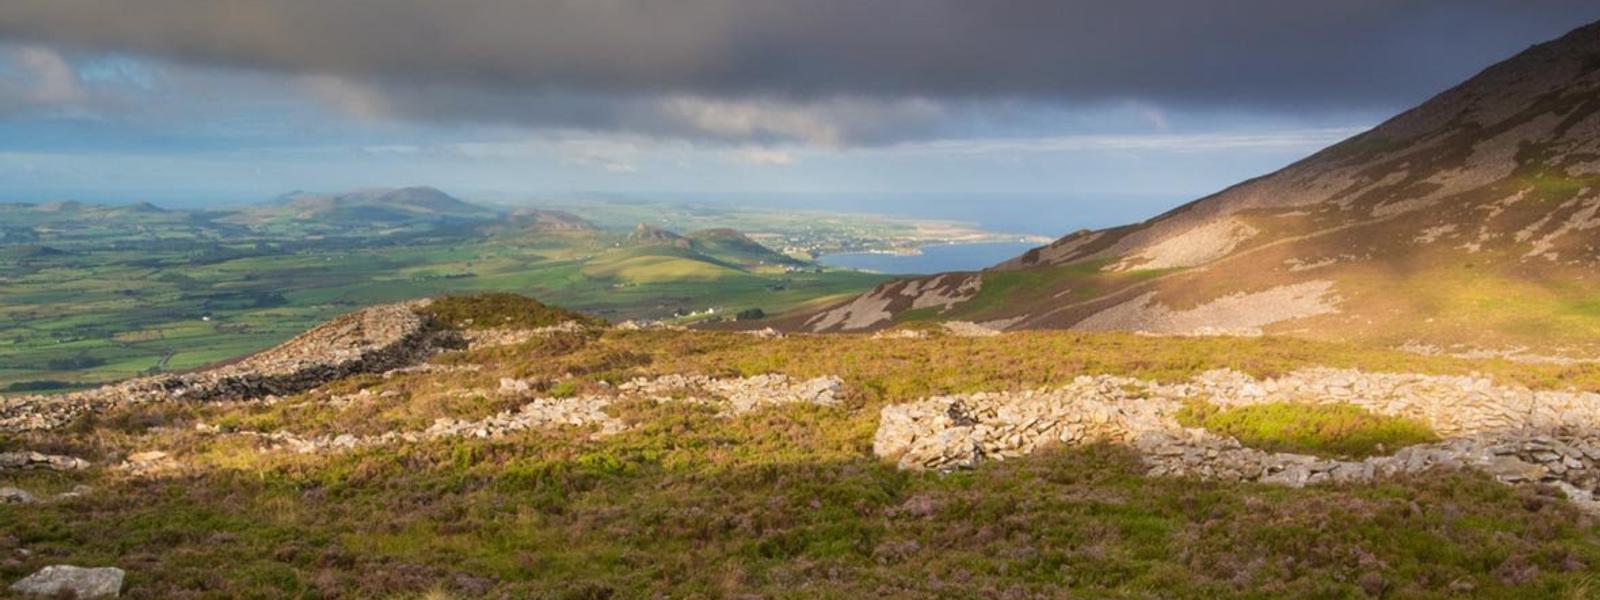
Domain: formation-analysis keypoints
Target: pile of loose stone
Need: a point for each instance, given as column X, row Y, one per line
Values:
column 734, row 395
column 502, row 336
column 737, row 395
column 1516, row 434
column 372, row 340
column 955, row 328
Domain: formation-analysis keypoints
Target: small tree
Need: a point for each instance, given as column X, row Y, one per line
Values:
column 751, row 314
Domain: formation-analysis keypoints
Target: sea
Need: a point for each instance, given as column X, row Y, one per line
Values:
column 1048, row 215
column 933, row 259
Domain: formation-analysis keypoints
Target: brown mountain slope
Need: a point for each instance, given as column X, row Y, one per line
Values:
column 1471, row 219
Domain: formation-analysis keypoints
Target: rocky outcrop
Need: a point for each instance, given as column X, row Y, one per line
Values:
column 370, row 340
column 1239, row 313
column 1516, row 434
column 72, row 582
column 878, row 307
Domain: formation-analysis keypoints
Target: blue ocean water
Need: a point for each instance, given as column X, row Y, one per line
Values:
column 1051, row 215
column 934, row 259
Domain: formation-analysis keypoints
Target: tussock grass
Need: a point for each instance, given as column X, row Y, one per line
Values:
column 1340, row 430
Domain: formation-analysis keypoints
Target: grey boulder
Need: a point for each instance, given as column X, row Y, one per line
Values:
column 102, row 582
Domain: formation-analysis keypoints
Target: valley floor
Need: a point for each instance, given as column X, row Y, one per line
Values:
column 608, row 463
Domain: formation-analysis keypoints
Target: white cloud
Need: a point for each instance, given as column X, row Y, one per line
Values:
column 355, row 99
column 831, row 122
column 1308, row 139
column 763, row 156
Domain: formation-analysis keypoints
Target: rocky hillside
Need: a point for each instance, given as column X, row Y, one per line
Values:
column 1471, row 221
column 497, row 447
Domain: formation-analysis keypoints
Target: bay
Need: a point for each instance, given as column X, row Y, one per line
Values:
column 933, row 259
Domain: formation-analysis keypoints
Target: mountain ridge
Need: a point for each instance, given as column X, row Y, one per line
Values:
column 375, row 205
column 1424, row 228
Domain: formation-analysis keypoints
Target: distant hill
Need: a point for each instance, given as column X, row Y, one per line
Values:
column 1472, row 220
column 730, row 246
column 652, row 254
column 541, row 221
column 658, row 263
column 648, row 235
column 69, row 212
column 382, row 207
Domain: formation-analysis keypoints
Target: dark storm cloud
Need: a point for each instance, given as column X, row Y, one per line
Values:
column 623, row 63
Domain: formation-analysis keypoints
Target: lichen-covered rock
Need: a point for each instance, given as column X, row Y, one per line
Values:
column 75, row 582
column 11, row 495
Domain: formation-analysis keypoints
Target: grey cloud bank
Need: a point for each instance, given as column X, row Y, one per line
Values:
column 1235, row 50
column 824, row 72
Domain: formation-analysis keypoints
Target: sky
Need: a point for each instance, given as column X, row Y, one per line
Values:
column 220, row 102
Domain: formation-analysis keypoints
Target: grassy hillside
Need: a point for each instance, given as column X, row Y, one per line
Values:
column 656, row 264
column 785, row 502
column 730, row 246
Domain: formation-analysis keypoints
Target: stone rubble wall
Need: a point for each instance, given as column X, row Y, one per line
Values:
column 371, row 340
column 955, row 328
column 500, row 336
column 36, row 460
column 1568, row 459
column 742, row 394
column 734, row 395
column 1513, row 433
column 1452, row 405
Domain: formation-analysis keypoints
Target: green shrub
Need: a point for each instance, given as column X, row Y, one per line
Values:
column 564, row 389
column 499, row 309
column 1343, row 430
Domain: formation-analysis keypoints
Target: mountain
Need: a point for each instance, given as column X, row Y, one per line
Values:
column 74, row 214
column 551, row 221
column 1469, row 220
column 540, row 221
column 377, row 207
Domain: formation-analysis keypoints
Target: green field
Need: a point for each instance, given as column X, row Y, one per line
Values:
column 90, row 294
